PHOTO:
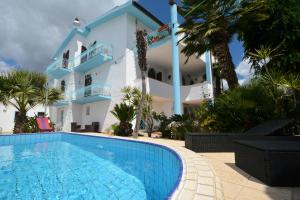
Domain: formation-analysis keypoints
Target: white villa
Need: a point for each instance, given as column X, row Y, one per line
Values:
column 97, row 60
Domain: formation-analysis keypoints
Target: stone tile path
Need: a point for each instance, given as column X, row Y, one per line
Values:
column 238, row 185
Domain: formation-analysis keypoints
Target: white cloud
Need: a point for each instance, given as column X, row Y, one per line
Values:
column 31, row 30
column 244, row 71
column 4, row 67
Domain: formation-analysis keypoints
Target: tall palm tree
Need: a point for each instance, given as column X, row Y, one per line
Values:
column 210, row 25
column 142, row 60
column 24, row 90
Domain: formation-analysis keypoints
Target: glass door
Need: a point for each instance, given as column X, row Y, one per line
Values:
column 87, row 85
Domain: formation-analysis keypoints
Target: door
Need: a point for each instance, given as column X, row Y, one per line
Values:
column 84, row 57
column 62, row 118
column 87, row 85
column 65, row 61
column 159, row 76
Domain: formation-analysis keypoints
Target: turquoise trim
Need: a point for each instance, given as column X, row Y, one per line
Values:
column 82, row 32
column 115, row 12
column 58, row 72
column 208, row 66
column 93, row 93
column 91, row 99
column 94, row 57
column 160, row 42
column 61, row 103
column 175, row 60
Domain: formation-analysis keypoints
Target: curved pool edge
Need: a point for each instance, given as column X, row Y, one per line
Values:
column 197, row 179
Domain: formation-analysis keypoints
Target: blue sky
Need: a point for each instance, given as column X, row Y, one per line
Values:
column 161, row 10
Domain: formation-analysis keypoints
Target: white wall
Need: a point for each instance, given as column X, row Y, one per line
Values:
column 7, row 116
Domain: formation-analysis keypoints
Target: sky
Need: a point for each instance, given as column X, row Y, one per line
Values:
column 31, row 30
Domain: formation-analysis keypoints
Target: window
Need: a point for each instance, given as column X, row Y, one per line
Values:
column 152, row 73
column 87, row 83
column 87, row 111
column 159, row 76
column 83, row 57
column 63, row 85
column 62, row 117
column 66, row 59
column 41, row 114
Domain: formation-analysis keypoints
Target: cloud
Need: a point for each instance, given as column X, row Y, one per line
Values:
column 244, row 72
column 4, row 67
column 31, row 30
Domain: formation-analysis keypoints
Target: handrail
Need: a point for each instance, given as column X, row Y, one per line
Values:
column 92, row 90
column 97, row 49
column 158, row 35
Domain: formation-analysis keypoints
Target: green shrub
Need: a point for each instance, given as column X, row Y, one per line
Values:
column 174, row 127
column 238, row 110
column 164, row 121
column 125, row 114
column 30, row 126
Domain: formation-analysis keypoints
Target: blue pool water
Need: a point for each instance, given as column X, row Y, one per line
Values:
column 69, row 166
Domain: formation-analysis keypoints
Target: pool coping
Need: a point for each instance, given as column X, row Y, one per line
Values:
column 197, row 179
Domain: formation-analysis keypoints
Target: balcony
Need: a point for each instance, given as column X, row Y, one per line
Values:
column 92, row 93
column 58, row 69
column 92, row 58
column 61, row 103
column 159, row 36
column 189, row 93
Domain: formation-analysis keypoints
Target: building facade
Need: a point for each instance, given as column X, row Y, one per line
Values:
column 97, row 60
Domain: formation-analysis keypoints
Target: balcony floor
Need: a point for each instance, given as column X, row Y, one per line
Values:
column 91, row 99
column 61, row 103
column 92, row 63
column 59, row 72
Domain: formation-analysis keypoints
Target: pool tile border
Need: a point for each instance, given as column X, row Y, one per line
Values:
column 198, row 180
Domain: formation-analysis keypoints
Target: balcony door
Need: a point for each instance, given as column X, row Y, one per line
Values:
column 65, row 61
column 87, row 85
column 84, row 57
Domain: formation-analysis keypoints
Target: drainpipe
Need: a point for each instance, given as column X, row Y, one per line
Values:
column 175, row 60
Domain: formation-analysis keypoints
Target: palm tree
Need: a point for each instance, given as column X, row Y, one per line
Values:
column 142, row 52
column 24, row 90
column 210, row 25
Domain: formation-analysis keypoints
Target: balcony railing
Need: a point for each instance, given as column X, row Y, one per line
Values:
column 96, row 55
column 159, row 35
column 99, row 52
column 92, row 93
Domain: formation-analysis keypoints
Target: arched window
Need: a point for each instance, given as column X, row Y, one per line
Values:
column 63, row 85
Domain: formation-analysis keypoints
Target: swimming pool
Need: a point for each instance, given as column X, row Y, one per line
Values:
column 72, row 166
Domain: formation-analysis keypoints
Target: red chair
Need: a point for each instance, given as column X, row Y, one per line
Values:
column 43, row 124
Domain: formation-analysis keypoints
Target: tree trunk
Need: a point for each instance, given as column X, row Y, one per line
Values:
column 21, row 118
column 222, row 54
column 141, row 105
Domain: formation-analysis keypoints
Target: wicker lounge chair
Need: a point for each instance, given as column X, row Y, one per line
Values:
column 275, row 163
column 224, row 142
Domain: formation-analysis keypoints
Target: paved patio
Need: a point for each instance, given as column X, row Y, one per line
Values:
column 238, row 185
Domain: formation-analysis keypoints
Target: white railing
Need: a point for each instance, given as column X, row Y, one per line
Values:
column 196, row 91
column 92, row 90
column 97, row 49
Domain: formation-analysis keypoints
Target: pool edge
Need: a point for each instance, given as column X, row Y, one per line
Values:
column 189, row 171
